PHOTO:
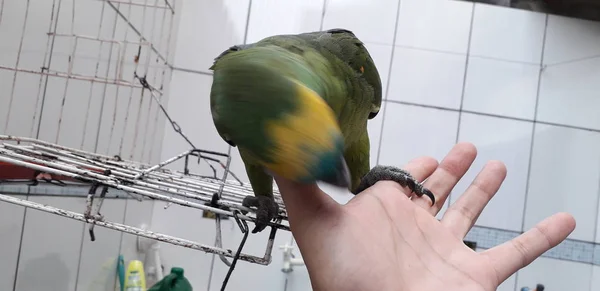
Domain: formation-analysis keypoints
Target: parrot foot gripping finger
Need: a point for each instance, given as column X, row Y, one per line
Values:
column 266, row 210
column 389, row 173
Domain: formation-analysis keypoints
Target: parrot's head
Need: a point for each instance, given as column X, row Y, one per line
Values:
column 271, row 109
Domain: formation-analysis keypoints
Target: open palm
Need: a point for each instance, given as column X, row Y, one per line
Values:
column 384, row 239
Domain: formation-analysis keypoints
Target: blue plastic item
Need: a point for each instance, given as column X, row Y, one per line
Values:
column 121, row 272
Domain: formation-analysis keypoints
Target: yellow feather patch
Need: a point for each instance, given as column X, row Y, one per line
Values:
column 299, row 136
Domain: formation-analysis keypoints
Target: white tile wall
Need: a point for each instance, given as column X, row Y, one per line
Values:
column 404, row 122
column 6, row 80
column 22, row 108
column 371, row 21
column 569, row 70
column 34, row 38
column 198, row 127
column 298, row 280
column 137, row 214
column 186, row 223
column 564, row 154
column 247, row 276
column 374, row 128
column 216, row 26
column 92, row 119
column 56, row 247
column 72, row 125
column 508, row 141
column 11, row 226
column 508, row 284
column 50, row 114
column 554, row 273
column 597, row 236
column 595, row 278
column 567, row 94
column 11, row 30
column 40, row 267
column 497, row 30
column 501, row 88
column 438, row 25
column 98, row 259
column 271, row 17
column 427, row 77
column 563, row 33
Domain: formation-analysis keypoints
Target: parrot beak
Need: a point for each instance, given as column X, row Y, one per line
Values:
column 342, row 175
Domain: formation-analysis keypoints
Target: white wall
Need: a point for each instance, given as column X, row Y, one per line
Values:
column 40, row 251
column 454, row 71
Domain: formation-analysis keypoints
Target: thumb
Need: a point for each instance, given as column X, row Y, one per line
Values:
column 304, row 203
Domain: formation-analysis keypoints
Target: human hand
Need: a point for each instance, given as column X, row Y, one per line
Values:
column 384, row 239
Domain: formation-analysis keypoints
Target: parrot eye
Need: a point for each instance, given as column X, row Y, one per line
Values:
column 373, row 114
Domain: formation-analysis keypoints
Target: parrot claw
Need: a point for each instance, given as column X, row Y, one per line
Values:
column 389, row 173
column 266, row 210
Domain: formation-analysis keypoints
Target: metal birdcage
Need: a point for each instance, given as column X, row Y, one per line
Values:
column 138, row 59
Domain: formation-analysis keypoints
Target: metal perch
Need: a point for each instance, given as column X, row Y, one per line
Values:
column 162, row 184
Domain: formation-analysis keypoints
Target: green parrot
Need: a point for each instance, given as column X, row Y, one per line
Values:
column 296, row 107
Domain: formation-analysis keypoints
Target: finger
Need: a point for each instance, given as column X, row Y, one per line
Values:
column 305, row 203
column 461, row 216
column 420, row 168
column 519, row 252
column 451, row 169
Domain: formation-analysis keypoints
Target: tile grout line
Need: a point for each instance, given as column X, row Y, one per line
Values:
column 39, row 121
column 105, row 87
column 212, row 262
column 464, row 85
column 323, row 11
column 532, row 142
column 20, row 243
column 535, row 111
column 516, row 233
column 489, row 237
column 121, row 236
column 503, row 60
column 596, row 228
column 77, row 273
column 389, row 80
column 494, row 115
column 286, row 281
column 191, row 71
column 596, row 224
column 247, row 21
column 323, row 15
column 194, row 71
column 408, row 47
column 594, row 238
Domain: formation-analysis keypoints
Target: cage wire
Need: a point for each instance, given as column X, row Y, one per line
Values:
column 29, row 161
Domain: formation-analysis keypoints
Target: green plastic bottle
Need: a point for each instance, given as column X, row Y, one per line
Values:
column 173, row 282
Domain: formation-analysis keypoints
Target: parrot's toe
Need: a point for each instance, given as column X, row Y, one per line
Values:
column 389, row 173
column 266, row 210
